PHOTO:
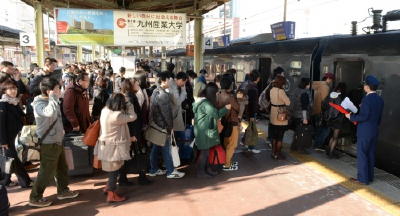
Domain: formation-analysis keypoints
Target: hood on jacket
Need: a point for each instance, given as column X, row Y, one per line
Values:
column 334, row 95
column 40, row 99
column 197, row 104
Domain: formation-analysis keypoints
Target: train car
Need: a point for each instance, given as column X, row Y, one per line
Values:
column 350, row 58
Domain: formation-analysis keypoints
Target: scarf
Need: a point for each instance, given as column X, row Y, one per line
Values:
column 10, row 100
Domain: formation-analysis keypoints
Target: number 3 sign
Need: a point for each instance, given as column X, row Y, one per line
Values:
column 27, row 39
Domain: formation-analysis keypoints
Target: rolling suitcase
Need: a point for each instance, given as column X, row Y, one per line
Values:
column 80, row 164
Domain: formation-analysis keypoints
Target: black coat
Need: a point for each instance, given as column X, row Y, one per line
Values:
column 135, row 127
column 10, row 122
column 100, row 100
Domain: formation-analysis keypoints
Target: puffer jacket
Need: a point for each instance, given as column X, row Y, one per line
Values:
column 46, row 111
column 161, row 109
column 206, row 125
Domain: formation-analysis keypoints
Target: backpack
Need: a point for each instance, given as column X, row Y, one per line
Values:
column 328, row 112
column 263, row 102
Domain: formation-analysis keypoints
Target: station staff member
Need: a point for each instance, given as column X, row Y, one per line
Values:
column 368, row 120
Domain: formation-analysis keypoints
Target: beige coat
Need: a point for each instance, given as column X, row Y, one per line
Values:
column 278, row 97
column 321, row 91
column 113, row 147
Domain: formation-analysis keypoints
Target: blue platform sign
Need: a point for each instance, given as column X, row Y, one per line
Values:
column 222, row 41
column 283, row 30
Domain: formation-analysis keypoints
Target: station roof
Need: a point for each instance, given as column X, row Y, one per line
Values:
column 178, row 6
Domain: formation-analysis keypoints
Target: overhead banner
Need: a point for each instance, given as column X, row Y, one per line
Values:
column 84, row 27
column 149, row 29
column 119, row 28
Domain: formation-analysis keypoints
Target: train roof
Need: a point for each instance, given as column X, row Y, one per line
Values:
column 380, row 44
column 9, row 32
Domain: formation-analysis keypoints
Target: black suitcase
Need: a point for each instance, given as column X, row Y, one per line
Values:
column 4, row 203
column 302, row 137
column 80, row 155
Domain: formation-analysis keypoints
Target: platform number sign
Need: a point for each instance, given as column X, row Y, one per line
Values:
column 27, row 39
column 208, row 43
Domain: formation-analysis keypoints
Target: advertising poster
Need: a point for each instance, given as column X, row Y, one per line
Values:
column 283, row 30
column 84, row 27
column 135, row 28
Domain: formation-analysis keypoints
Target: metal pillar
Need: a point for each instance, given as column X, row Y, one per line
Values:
column 93, row 53
column 151, row 51
column 284, row 11
column 163, row 58
column 79, row 53
column 198, row 42
column 39, row 33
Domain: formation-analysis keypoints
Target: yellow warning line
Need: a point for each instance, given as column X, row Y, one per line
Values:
column 367, row 193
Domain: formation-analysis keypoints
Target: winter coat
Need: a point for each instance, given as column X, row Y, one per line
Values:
column 10, row 122
column 321, row 91
column 301, row 104
column 224, row 98
column 113, row 146
column 178, row 96
column 206, row 118
column 46, row 111
column 187, row 104
column 100, row 99
column 76, row 108
column 278, row 98
column 161, row 109
column 135, row 127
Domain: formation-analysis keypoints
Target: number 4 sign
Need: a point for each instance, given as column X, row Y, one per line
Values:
column 208, row 43
column 27, row 39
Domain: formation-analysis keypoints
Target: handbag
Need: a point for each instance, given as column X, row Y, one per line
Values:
column 175, row 151
column 96, row 162
column 92, row 134
column 216, row 155
column 155, row 135
column 5, row 162
column 283, row 114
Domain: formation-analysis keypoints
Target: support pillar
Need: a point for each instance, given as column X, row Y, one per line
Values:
column 93, row 53
column 102, row 52
column 79, row 53
column 143, row 51
column 198, row 42
column 163, row 58
column 39, row 33
column 151, row 51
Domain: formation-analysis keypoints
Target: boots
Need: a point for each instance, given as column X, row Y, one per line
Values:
column 112, row 196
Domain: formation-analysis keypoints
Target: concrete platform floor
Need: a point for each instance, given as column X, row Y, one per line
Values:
column 260, row 187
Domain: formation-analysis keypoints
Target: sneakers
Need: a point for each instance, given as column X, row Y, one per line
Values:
column 40, row 203
column 231, row 168
column 176, row 174
column 255, row 151
column 158, row 173
column 69, row 194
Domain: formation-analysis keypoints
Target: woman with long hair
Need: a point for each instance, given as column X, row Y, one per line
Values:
column 129, row 88
column 278, row 124
column 113, row 148
column 206, row 117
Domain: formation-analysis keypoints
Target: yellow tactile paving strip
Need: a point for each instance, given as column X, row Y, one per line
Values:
column 365, row 192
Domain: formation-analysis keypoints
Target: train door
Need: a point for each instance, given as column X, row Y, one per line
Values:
column 264, row 67
column 350, row 72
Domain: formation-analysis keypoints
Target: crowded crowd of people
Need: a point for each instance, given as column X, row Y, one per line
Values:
column 141, row 118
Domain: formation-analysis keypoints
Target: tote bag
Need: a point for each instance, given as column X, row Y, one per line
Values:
column 175, row 151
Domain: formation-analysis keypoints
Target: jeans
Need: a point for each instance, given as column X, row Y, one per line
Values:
column 112, row 180
column 166, row 154
column 52, row 165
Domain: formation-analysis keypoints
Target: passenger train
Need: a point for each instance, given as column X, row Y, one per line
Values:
column 350, row 58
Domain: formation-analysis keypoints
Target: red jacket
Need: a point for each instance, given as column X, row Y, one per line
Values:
column 76, row 108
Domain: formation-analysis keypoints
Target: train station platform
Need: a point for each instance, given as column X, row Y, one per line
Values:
column 301, row 185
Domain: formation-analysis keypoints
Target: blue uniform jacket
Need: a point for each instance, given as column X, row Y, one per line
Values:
column 369, row 117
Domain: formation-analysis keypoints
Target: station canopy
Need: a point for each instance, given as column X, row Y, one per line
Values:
column 190, row 7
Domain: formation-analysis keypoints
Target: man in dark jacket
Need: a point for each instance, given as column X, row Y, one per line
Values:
column 161, row 118
column 368, row 119
column 252, row 106
column 76, row 105
column 49, row 70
